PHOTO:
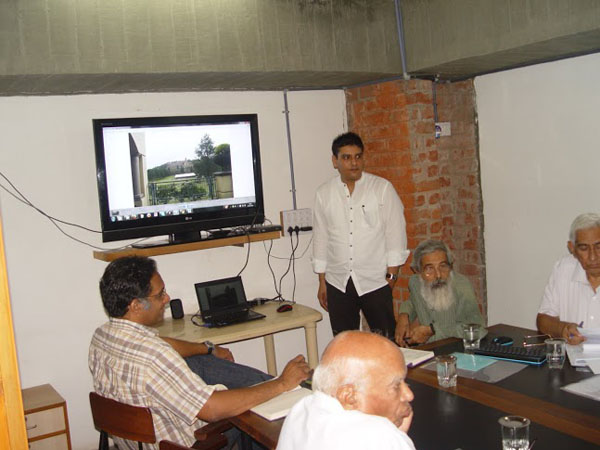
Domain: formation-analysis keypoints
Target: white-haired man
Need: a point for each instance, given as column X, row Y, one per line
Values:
column 440, row 302
column 571, row 298
column 360, row 399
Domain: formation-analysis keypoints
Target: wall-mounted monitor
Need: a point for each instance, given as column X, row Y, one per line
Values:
column 177, row 175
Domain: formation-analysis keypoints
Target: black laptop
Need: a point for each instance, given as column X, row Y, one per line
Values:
column 223, row 302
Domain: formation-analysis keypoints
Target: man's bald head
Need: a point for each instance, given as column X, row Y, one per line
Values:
column 365, row 372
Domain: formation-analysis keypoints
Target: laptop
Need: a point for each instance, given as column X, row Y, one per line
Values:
column 223, row 302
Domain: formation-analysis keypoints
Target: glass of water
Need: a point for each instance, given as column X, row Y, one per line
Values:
column 446, row 370
column 555, row 352
column 515, row 432
column 471, row 336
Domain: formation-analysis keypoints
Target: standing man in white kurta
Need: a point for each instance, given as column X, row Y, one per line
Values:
column 359, row 242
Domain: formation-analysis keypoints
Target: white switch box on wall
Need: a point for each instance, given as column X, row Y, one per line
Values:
column 442, row 129
column 292, row 218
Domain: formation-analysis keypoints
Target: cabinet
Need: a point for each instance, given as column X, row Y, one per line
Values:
column 46, row 419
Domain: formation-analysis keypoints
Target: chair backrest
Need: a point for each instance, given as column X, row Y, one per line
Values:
column 122, row 420
column 168, row 445
column 212, row 443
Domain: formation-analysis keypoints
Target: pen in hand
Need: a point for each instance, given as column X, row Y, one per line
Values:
column 578, row 326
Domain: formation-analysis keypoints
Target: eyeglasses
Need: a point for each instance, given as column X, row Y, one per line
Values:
column 160, row 294
column 430, row 270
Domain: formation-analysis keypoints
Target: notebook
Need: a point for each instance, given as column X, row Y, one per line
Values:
column 280, row 406
column 223, row 302
column 414, row 357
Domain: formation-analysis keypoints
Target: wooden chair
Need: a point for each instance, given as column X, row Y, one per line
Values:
column 135, row 424
column 119, row 419
column 211, row 443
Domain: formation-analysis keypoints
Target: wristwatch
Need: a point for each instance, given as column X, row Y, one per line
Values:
column 210, row 346
column 391, row 276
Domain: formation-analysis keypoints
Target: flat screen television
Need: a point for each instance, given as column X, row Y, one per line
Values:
column 177, row 175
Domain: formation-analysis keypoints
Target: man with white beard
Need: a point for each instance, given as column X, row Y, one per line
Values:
column 440, row 302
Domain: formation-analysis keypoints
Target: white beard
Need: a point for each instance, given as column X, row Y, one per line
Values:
column 440, row 297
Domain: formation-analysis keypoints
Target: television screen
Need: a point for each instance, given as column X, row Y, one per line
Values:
column 177, row 175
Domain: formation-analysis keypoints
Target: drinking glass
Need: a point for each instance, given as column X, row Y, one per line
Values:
column 555, row 352
column 515, row 432
column 446, row 370
column 471, row 336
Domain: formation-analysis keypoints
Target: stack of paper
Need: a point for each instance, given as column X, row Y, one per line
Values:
column 587, row 353
column 414, row 357
column 280, row 406
column 590, row 387
column 592, row 340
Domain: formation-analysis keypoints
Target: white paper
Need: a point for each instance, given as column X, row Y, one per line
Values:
column 280, row 406
column 578, row 357
column 590, row 387
column 414, row 357
column 595, row 366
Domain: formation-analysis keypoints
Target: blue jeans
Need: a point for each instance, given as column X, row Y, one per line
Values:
column 215, row 370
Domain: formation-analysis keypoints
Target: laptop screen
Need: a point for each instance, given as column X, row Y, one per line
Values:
column 220, row 295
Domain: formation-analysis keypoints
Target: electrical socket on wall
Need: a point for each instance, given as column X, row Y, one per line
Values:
column 301, row 218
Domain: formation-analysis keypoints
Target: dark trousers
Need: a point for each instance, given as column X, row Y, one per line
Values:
column 377, row 306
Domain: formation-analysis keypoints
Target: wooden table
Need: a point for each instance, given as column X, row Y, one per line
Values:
column 299, row 317
column 466, row 416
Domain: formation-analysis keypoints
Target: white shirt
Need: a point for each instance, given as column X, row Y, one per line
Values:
column 320, row 422
column 358, row 235
column 570, row 296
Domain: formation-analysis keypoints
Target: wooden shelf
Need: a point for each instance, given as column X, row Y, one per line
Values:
column 110, row 255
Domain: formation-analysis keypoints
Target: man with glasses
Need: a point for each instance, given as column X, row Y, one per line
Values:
column 571, row 298
column 130, row 363
column 440, row 302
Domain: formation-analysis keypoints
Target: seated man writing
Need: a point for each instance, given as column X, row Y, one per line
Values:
column 360, row 399
column 131, row 364
column 571, row 298
column 440, row 301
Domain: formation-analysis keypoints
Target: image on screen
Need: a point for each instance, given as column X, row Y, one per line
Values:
column 171, row 170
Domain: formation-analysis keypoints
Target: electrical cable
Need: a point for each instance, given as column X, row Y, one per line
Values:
column 53, row 220
column 289, row 263
column 287, row 257
column 247, row 230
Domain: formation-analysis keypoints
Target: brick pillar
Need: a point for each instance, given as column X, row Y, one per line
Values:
column 437, row 179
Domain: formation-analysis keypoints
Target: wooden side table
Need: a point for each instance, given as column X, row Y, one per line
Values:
column 46, row 419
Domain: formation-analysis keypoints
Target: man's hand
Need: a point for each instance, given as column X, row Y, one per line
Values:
column 572, row 334
column 294, row 372
column 402, row 330
column 420, row 334
column 223, row 353
column 322, row 292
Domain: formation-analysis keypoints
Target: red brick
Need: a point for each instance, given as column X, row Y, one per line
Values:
column 433, row 171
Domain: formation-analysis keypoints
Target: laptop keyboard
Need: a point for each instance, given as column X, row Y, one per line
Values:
column 230, row 317
column 529, row 355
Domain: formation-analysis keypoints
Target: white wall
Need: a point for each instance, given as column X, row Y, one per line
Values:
column 48, row 154
column 540, row 157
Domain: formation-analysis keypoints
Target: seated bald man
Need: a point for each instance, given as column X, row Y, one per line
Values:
column 571, row 298
column 360, row 399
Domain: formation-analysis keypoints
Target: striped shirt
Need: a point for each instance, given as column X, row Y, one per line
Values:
column 131, row 364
